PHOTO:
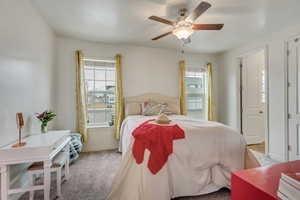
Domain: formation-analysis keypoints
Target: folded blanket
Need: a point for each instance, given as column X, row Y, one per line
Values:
column 158, row 140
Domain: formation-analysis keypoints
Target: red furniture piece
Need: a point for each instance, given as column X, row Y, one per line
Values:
column 260, row 183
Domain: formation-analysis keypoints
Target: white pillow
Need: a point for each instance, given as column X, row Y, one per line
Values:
column 174, row 108
column 133, row 109
column 150, row 108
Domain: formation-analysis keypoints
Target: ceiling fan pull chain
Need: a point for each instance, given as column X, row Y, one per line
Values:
column 182, row 51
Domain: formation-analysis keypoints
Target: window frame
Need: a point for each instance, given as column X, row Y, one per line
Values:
column 191, row 72
column 92, row 93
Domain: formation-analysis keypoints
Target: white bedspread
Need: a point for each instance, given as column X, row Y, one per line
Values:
column 201, row 163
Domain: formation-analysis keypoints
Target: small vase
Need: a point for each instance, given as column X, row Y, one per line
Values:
column 44, row 128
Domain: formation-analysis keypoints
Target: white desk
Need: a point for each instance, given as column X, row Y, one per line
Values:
column 41, row 147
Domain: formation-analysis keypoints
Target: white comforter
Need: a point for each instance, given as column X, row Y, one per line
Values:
column 201, row 163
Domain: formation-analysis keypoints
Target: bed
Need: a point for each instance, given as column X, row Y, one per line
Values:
column 200, row 164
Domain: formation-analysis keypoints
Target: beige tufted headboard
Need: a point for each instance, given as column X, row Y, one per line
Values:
column 174, row 101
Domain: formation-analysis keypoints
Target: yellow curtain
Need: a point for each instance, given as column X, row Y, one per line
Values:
column 210, row 109
column 80, row 97
column 119, row 97
column 182, row 94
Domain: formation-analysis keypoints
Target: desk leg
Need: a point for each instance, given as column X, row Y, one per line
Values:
column 47, row 179
column 4, row 182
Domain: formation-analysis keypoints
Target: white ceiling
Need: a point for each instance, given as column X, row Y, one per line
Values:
column 125, row 21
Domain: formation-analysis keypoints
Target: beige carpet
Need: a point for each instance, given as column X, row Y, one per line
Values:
column 92, row 175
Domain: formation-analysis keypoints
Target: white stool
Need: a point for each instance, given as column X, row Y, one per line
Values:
column 60, row 161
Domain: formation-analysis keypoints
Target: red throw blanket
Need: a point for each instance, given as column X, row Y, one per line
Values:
column 158, row 140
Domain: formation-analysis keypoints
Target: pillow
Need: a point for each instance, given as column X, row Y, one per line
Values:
column 173, row 108
column 133, row 109
column 150, row 108
column 170, row 109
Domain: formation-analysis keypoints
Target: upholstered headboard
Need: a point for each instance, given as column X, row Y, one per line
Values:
column 174, row 101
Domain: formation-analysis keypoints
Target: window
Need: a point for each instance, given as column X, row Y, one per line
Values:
column 196, row 91
column 99, row 77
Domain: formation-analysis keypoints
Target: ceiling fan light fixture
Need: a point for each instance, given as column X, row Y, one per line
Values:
column 183, row 32
column 184, row 26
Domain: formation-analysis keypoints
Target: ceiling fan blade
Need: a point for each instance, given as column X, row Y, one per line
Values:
column 199, row 10
column 163, row 35
column 161, row 20
column 208, row 26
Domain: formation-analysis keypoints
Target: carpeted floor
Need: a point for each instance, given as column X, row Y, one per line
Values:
column 91, row 179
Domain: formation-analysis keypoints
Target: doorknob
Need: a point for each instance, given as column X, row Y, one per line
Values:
column 261, row 112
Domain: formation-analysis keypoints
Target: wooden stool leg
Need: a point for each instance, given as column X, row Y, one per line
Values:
column 67, row 165
column 31, row 193
column 67, row 170
column 58, row 181
column 47, row 179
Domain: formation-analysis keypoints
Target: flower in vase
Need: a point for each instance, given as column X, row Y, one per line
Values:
column 45, row 117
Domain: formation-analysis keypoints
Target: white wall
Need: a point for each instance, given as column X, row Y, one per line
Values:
column 229, row 87
column 144, row 70
column 26, row 67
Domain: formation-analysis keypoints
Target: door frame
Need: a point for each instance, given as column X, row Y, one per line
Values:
column 239, row 91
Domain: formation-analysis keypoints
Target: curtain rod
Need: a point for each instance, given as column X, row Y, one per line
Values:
column 98, row 60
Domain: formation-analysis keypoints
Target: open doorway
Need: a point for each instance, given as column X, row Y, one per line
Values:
column 254, row 99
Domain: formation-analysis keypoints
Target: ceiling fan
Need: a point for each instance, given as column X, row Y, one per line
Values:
column 184, row 26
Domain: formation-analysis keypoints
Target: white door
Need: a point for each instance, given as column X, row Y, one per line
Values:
column 294, row 98
column 253, row 97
